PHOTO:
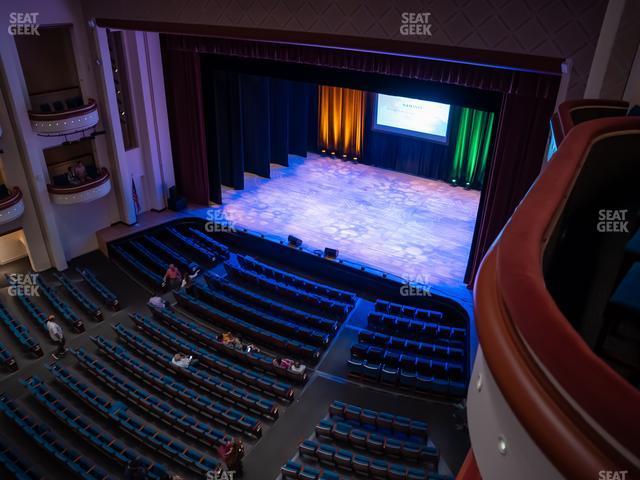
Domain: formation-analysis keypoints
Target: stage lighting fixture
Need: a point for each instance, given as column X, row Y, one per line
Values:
column 333, row 153
column 344, row 156
column 323, row 151
column 294, row 241
column 330, row 253
column 355, row 159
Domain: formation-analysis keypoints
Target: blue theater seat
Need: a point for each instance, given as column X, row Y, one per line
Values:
column 60, row 306
column 80, row 298
column 99, row 288
column 20, row 332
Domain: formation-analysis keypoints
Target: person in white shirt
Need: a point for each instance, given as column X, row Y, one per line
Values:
column 156, row 301
column 298, row 368
column 57, row 335
column 181, row 360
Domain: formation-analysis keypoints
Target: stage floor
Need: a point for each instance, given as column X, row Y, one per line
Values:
column 416, row 228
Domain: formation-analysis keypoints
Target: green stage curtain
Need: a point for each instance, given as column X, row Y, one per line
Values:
column 472, row 148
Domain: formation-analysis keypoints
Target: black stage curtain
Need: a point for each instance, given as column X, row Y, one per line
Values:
column 187, row 126
column 523, row 121
column 407, row 154
column 255, row 104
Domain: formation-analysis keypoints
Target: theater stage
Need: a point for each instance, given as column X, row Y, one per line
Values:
column 416, row 228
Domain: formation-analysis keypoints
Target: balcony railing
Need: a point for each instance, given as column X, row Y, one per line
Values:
column 11, row 207
column 573, row 112
column 65, row 122
column 538, row 391
column 87, row 192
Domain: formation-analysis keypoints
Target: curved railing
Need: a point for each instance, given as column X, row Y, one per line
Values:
column 12, row 206
column 573, row 112
column 580, row 413
column 67, row 121
column 87, row 192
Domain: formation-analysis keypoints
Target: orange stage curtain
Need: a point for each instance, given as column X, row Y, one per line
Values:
column 341, row 120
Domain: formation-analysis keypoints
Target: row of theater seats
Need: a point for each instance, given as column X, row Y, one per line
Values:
column 262, row 335
column 281, row 276
column 269, row 321
column 253, row 379
column 7, row 360
column 143, row 432
column 169, row 254
column 332, row 308
column 65, row 312
column 388, row 440
column 16, row 464
column 99, row 288
column 80, row 298
column 32, row 310
column 20, row 332
column 259, row 360
column 419, row 349
column 267, row 304
column 408, row 362
column 51, row 443
column 397, row 377
column 407, row 311
column 201, row 245
column 167, row 385
column 214, row 384
column 417, row 329
column 136, row 265
column 87, row 430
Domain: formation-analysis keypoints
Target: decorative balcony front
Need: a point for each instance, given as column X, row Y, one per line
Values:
column 88, row 191
column 11, row 206
column 65, row 122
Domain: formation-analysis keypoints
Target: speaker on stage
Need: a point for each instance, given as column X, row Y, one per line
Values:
column 331, row 253
column 294, row 241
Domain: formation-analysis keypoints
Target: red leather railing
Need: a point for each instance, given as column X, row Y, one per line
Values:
column 562, row 122
column 73, row 112
column 12, row 199
column 104, row 176
column 579, row 411
column 469, row 469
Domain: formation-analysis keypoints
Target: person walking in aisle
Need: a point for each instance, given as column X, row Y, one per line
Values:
column 57, row 335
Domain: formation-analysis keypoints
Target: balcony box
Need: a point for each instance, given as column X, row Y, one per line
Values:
column 87, row 192
column 11, row 207
column 65, row 122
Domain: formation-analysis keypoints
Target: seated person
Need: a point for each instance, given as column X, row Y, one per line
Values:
column 71, row 177
column 80, row 171
column 181, row 360
column 228, row 338
column 298, row 368
column 250, row 347
column 156, row 301
column 284, row 363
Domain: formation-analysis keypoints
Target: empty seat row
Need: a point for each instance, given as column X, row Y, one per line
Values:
column 20, row 332
column 247, row 376
column 417, row 329
column 87, row 429
column 377, row 443
column 333, row 308
column 269, row 321
column 267, row 337
column 216, row 282
column 7, row 360
column 80, row 298
column 205, row 251
column 75, row 462
column 209, row 339
column 145, row 433
column 33, row 311
column 410, row 379
column 64, row 311
column 18, row 466
column 408, row 362
column 381, row 422
column 407, row 311
column 297, row 471
column 219, row 248
column 137, row 266
column 147, row 256
column 99, row 288
column 316, row 288
column 170, row 254
column 404, row 345
column 168, row 386
column 211, row 383
column 360, row 464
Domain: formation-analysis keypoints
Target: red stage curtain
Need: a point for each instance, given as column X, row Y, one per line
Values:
column 186, row 122
column 341, row 120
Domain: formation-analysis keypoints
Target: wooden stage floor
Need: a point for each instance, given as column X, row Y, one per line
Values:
column 416, row 228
